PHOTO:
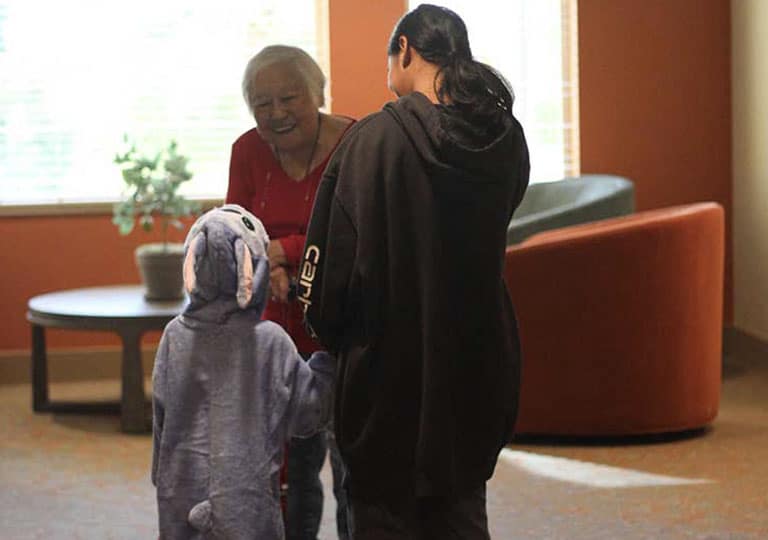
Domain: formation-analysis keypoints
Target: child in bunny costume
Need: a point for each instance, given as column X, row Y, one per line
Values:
column 228, row 390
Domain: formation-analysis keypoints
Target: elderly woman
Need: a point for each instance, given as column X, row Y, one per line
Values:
column 274, row 172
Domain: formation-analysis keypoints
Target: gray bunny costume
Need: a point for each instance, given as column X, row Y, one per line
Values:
column 228, row 390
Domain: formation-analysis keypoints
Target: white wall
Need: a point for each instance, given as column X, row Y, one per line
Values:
column 750, row 164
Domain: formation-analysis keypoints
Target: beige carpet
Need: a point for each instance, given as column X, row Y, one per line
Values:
column 70, row 477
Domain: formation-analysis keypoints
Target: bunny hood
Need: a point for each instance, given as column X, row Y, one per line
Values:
column 226, row 269
column 228, row 391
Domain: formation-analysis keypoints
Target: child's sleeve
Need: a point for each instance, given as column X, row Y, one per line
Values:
column 158, row 400
column 311, row 402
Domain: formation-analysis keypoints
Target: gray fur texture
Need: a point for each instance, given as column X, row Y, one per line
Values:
column 228, row 391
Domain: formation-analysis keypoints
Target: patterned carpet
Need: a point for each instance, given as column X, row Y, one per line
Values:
column 78, row 477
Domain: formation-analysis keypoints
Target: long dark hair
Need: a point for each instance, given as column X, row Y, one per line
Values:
column 440, row 37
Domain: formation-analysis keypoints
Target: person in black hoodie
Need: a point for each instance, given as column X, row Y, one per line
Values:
column 402, row 278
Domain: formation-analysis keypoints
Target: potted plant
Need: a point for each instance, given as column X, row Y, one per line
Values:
column 152, row 196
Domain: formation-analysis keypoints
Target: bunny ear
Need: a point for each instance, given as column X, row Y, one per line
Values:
column 244, row 274
column 195, row 250
column 252, row 276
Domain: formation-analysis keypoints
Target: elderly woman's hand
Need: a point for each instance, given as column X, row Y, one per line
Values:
column 276, row 254
column 279, row 284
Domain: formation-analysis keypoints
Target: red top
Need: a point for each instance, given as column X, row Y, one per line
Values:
column 258, row 183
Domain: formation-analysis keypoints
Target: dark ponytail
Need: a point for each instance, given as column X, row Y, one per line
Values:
column 440, row 37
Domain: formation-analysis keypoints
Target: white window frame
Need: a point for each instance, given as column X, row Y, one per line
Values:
column 281, row 34
column 516, row 37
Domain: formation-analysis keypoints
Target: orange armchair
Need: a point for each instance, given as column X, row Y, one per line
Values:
column 621, row 323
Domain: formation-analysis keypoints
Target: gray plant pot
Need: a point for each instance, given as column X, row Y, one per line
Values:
column 160, row 266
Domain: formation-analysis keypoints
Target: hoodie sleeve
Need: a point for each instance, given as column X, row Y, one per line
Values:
column 158, row 402
column 311, row 400
column 326, row 268
column 345, row 244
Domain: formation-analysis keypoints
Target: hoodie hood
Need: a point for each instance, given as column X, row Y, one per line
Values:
column 226, row 269
column 446, row 140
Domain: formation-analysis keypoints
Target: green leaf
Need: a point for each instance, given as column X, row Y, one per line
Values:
column 152, row 188
column 146, row 222
column 126, row 228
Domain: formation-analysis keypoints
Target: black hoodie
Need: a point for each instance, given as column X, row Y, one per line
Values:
column 403, row 279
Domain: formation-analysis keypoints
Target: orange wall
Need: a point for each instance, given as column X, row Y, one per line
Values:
column 359, row 36
column 42, row 254
column 655, row 106
column 655, row 100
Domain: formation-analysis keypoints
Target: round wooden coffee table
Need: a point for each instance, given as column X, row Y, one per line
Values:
column 121, row 309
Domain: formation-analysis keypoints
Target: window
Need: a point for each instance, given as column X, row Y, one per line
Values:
column 533, row 44
column 75, row 76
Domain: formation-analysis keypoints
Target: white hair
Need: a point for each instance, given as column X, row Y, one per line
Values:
column 305, row 65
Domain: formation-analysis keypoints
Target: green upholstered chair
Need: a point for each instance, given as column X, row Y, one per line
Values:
column 581, row 199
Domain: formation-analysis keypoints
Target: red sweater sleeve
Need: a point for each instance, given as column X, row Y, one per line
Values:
column 238, row 191
column 293, row 245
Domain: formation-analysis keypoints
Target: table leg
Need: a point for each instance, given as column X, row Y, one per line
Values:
column 39, row 370
column 133, row 416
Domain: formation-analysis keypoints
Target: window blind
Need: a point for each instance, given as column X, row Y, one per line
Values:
column 76, row 76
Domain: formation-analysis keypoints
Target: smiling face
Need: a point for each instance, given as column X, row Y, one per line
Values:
column 286, row 113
